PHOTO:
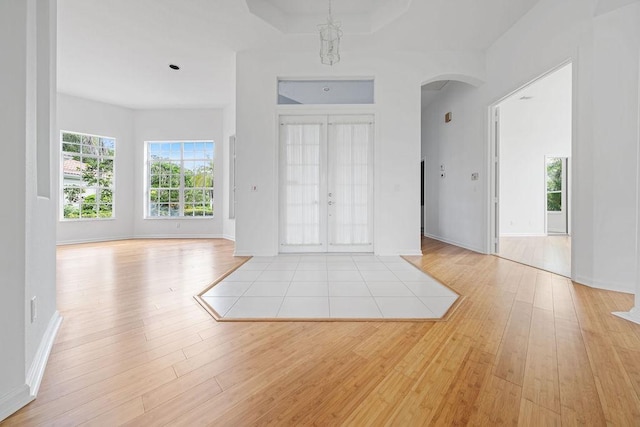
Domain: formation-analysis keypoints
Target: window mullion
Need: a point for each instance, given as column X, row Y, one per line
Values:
column 181, row 194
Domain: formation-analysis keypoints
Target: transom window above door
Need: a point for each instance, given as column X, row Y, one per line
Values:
column 314, row 92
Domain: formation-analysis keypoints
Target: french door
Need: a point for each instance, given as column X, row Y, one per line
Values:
column 326, row 183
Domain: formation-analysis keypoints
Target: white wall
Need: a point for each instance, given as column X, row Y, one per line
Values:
column 27, row 255
column 86, row 116
column 397, row 144
column 604, row 49
column 13, row 120
column 451, row 201
column 615, row 129
column 177, row 125
column 531, row 129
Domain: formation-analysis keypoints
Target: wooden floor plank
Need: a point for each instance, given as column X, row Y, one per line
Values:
column 428, row 392
column 118, row 415
column 512, row 355
column 523, row 347
column 464, row 392
column 578, row 393
column 541, row 384
column 620, row 402
column 532, row 415
column 498, row 404
column 563, row 307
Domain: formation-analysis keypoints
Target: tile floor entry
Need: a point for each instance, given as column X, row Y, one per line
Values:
column 328, row 286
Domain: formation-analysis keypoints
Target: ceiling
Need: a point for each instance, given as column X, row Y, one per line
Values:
column 303, row 16
column 119, row 51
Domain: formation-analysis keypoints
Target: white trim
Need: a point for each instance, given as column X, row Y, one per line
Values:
column 607, row 285
column 92, row 240
column 14, row 400
column 147, row 236
column 524, row 235
column 36, row 371
column 455, row 243
column 632, row 315
column 21, row 396
column 251, row 253
column 408, row 252
column 177, row 236
column 229, row 237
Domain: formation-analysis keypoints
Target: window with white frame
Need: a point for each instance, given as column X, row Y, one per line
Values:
column 180, row 179
column 87, row 164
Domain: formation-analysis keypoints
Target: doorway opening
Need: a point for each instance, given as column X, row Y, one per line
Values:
column 531, row 173
column 326, row 183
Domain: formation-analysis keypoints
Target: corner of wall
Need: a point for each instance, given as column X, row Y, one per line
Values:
column 14, row 400
column 36, row 371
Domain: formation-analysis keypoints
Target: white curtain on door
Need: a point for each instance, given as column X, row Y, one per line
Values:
column 349, row 160
column 301, row 202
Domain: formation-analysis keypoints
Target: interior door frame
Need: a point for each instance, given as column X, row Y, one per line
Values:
column 327, row 111
column 493, row 161
column 493, row 242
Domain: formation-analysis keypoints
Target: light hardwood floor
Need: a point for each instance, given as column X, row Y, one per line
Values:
column 524, row 347
column 551, row 253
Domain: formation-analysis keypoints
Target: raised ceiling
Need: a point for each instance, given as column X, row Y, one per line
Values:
column 302, row 16
column 119, row 51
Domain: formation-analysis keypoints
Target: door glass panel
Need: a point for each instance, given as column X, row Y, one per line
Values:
column 301, row 184
column 349, row 162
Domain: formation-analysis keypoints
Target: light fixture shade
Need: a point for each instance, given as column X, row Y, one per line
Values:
column 330, row 34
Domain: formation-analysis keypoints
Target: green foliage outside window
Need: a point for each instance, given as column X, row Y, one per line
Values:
column 88, row 174
column 554, row 184
column 181, row 179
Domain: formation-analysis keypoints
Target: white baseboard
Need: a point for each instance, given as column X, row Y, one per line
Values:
column 607, row 286
column 14, row 400
column 229, row 237
column 92, row 240
column 36, row 371
column 178, row 236
column 249, row 253
column 455, row 243
column 632, row 315
column 21, row 396
column 523, row 235
column 401, row 253
column 146, row 236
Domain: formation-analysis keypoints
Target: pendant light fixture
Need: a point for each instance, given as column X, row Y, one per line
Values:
column 330, row 34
